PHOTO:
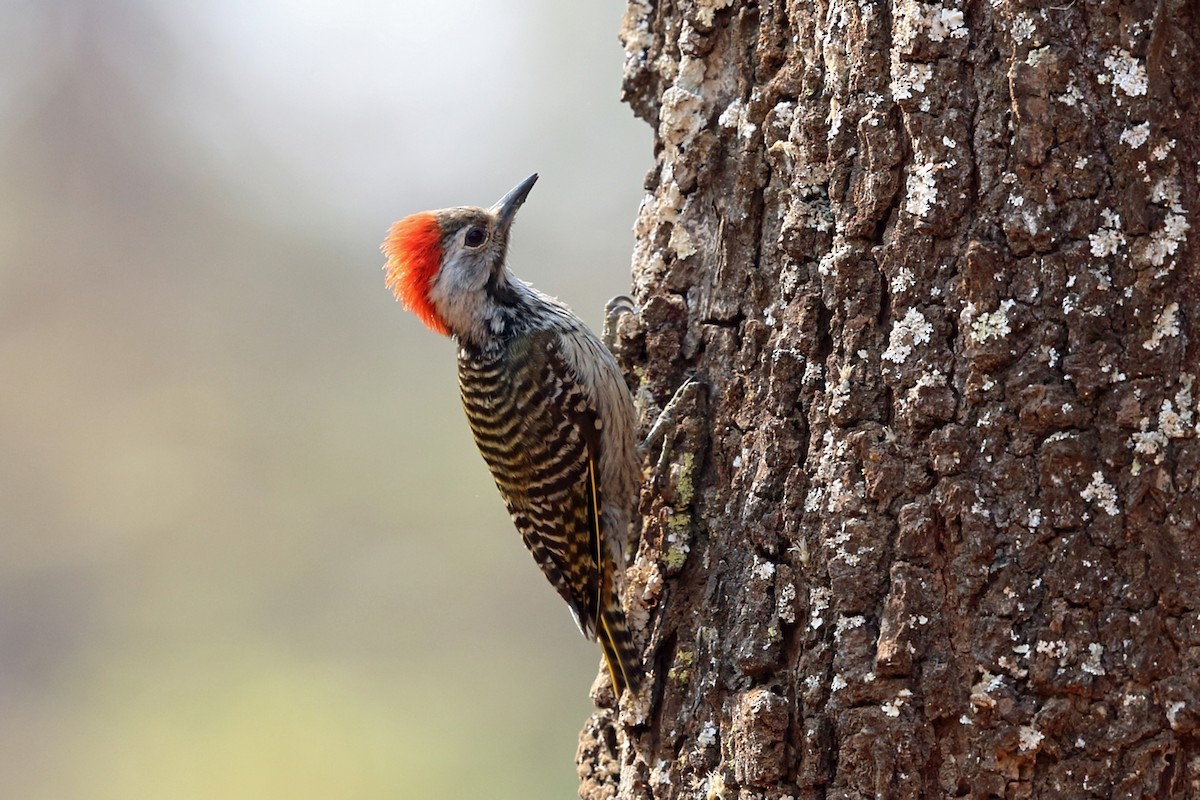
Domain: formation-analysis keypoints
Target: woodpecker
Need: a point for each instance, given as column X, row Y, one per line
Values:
column 546, row 403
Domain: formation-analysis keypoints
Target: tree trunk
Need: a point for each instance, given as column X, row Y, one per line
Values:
column 932, row 529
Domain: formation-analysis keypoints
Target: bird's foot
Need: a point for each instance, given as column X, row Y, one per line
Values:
column 686, row 399
column 614, row 309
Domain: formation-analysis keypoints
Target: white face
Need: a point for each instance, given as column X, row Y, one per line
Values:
column 473, row 249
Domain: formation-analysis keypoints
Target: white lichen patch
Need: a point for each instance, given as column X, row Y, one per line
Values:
column 1134, row 700
column 921, row 190
column 764, row 570
column 1071, row 97
column 1126, row 73
column 834, row 120
column 946, row 23
column 1108, row 238
column 926, row 380
column 769, row 320
column 844, row 497
column 841, row 389
column 907, row 333
column 1175, row 420
column 1105, row 241
column 1166, row 239
column 1114, row 375
column 1029, row 737
column 902, row 280
column 785, row 604
column 735, row 118
column 825, row 265
column 838, row 543
column 1165, row 192
column 1150, row 443
column 910, row 81
column 845, row 623
column 708, row 734
column 1173, row 710
column 1166, row 325
column 1136, row 136
column 818, row 603
column 1162, row 150
column 891, row 708
column 1022, row 28
column 1101, row 493
column 1091, row 665
column 934, row 20
column 1054, row 648
column 678, row 544
column 992, row 324
column 1179, row 423
column 837, row 684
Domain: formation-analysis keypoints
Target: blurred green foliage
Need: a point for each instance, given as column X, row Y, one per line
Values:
column 249, row 550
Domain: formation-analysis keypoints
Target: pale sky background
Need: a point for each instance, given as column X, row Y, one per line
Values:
column 249, row 549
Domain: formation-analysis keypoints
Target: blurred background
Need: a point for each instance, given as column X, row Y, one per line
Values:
column 248, row 548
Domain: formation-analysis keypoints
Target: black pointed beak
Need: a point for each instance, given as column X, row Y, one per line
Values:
column 507, row 206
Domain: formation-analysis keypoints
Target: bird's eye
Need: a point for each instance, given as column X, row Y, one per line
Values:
column 475, row 237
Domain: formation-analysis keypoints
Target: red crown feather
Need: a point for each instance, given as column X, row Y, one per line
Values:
column 414, row 255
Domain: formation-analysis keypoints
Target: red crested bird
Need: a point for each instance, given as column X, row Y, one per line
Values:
column 545, row 400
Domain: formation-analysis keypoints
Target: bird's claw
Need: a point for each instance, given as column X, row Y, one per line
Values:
column 685, row 397
column 614, row 309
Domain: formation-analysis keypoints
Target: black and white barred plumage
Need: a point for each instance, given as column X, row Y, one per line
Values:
column 548, row 407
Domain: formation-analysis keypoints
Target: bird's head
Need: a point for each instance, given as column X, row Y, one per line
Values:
column 447, row 266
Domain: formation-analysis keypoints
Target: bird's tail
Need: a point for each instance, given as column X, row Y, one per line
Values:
column 620, row 654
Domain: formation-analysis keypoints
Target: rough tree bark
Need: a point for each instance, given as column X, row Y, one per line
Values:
column 934, row 531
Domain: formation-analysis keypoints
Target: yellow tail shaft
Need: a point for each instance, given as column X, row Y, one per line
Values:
column 624, row 663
